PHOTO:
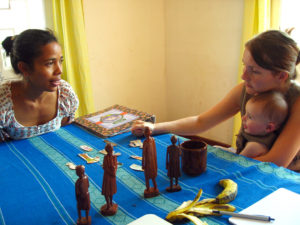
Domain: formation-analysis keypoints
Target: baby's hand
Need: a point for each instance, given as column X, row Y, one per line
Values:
column 138, row 127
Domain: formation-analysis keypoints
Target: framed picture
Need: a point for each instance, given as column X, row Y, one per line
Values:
column 113, row 120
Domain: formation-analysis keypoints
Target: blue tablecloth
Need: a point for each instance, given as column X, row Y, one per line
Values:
column 36, row 186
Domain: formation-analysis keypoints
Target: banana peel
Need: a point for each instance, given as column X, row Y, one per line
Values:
column 195, row 220
column 215, row 206
column 192, row 209
column 172, row 215
column 184, row 204
column 205, row 201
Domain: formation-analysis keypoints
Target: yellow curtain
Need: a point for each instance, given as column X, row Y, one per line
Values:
column 68, row 21
column 259, row 16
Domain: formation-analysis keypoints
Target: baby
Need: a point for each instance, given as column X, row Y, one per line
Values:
column 265, row 113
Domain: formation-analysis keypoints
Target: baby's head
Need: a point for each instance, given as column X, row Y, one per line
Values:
column 265, row 113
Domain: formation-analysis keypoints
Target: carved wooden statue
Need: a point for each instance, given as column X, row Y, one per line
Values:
column 149, row 164
column 82, row 196
column 109, row 185
column 173, row 165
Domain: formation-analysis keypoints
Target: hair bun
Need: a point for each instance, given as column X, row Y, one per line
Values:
column 7, row 44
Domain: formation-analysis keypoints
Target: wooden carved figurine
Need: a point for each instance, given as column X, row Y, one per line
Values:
column 109, row 185
column 173, row 165
column 149, row 164
column 82, row 196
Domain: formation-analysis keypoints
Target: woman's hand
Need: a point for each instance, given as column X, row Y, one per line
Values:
column 4, row 136
column 65, row 121
column 139, row 126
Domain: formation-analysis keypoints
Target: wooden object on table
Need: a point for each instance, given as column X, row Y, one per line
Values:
column 82, row 196
column 112, row 120
column 194, row 156
column 109, row 185
column 207, row 141
column 173, row 165
column 149, row 164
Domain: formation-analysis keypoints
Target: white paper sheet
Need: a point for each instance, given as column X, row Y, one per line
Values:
column 283, row 205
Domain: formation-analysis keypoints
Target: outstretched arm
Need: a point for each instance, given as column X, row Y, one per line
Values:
column 225, row 109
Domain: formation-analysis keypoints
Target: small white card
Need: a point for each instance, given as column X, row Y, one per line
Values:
column 136, row 167
column 136, row 143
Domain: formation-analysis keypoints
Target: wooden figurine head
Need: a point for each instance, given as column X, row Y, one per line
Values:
column 147, row 132
column 173, row 139
column 109, row 149
column 80, row 170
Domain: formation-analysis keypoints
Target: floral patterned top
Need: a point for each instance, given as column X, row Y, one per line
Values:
column 10, row 127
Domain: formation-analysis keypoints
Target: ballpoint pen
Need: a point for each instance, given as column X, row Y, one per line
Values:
column 247, row 216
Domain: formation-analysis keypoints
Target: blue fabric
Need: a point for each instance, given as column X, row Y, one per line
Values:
column 36, row 186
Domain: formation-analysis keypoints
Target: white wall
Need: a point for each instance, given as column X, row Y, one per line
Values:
column 173, row 58
column 202, row 57
column 126, row 44
column 21, row 15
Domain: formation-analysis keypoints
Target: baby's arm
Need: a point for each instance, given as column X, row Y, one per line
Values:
column 254, row 149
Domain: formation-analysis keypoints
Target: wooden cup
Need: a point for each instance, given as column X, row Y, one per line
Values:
column 194, row 155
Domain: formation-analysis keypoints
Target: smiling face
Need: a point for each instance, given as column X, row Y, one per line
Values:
column 258, row 79
column 254, row 121
column 44, row 74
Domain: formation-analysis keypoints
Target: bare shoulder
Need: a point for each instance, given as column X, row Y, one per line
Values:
column 237, row 91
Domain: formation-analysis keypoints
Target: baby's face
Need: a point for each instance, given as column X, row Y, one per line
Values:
column 254, row 122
